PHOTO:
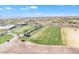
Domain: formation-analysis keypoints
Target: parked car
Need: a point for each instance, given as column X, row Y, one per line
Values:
column 27, row 35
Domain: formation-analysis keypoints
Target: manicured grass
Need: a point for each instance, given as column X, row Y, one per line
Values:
column 22, row 29
column 4, row 38
column 51, row 35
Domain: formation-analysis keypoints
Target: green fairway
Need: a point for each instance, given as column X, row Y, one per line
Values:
column 4, row 38
column 22, row 29
column 50, row 35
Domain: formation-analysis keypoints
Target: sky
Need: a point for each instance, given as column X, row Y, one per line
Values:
column 39, row 10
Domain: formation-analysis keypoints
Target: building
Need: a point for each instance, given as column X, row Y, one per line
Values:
column 21, row 24
column 7, row 26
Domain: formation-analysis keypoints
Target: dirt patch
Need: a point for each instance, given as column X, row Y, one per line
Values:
column 72, row 37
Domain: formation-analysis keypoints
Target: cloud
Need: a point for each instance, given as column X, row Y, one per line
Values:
column 8, row 8
column 29, row 8
column 26, row 8
column 1, row 9
column 33, row 7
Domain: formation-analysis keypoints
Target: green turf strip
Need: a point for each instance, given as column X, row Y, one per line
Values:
column 51, row 35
